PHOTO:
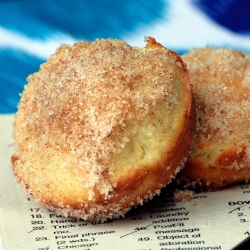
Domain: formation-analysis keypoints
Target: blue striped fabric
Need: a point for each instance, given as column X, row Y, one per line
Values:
column 31, row 30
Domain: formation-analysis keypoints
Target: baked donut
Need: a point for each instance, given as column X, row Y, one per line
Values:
column 102, row 127
column 220, row 155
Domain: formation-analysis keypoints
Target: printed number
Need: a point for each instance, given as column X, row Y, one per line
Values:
column 36, row 216
column 33, row 222
column 34, row 209
column 38, row 228
column 140, row 228
column 41, row 238
column 61, row 242
column 44, row 248
column 144, row 239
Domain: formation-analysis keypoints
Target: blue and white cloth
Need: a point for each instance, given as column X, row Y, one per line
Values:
column 31, row 30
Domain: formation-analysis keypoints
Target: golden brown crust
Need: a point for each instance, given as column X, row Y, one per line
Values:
column 221, row 150
column 102, row 127
column 152, row 44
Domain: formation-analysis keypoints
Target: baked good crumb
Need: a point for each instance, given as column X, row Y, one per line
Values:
column 183, row 195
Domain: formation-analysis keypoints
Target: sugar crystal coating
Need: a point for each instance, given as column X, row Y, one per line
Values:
column 220, row 81
column 80, row 113
column 223, row 103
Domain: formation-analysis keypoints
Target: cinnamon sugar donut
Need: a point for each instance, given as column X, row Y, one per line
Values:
column 102, row 127
column 221, row 151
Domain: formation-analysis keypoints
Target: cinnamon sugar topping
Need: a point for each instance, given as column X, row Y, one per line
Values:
column 221, row 87
column 77, row 107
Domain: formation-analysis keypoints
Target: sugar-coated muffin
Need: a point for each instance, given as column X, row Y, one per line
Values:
column 102, row 127
column 220, row 156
